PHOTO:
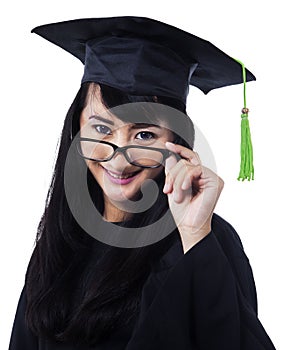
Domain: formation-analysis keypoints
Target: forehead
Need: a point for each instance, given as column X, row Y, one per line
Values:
column 124, row 114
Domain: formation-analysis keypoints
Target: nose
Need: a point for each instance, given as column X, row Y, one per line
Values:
column 119, row 159
column 119, row 163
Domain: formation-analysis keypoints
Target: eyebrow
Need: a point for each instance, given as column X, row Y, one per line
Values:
column 134, row 126
column 107, row 121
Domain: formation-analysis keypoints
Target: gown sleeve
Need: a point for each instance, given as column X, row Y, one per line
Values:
column 204, row 299
column 21, row 336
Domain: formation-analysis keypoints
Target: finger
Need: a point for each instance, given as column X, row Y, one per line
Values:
column 170, row 163
column 172, row 170
column 184, row 152
column 178, row 167
column 190, row 176
column 178, row 192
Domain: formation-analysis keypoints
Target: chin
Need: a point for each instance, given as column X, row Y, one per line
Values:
column 122, row 194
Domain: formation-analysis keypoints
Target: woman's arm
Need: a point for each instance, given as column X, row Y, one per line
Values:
column 203, row 299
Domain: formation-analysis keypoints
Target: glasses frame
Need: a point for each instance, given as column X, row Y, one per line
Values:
column 165, row 152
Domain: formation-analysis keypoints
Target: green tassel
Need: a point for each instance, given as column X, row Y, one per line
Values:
column 246, row 166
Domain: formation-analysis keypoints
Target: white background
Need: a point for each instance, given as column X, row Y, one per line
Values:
column 40, row 80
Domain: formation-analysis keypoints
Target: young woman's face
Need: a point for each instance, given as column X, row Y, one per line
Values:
column 118, row 179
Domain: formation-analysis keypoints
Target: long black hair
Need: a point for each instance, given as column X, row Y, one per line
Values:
column 78, row 292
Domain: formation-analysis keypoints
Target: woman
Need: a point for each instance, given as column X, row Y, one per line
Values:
column 185, row 283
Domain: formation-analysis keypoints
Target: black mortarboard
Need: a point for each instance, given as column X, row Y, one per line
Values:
column 142, row 56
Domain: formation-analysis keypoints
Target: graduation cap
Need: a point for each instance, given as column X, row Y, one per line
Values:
column 143, row 56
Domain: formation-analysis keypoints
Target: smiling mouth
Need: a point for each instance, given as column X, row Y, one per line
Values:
column 122, row 176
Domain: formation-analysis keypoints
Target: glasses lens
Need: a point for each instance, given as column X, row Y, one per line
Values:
column 145, row 157
column 95, row 150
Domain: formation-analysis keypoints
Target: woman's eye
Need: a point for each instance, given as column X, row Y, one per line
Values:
column 145, row 135
column 102, row 129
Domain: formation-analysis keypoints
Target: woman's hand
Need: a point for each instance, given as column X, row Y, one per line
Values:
column 193, row 191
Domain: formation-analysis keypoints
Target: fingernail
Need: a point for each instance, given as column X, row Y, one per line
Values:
column 166, row 187
column 176, row 197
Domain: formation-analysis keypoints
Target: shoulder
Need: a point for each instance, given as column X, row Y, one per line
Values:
column 22, row 337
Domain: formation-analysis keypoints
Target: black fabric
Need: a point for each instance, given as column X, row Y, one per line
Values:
column 142, row 56
column 204, row 299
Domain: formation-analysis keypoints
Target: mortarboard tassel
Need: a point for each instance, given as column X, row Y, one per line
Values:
column 246, row 166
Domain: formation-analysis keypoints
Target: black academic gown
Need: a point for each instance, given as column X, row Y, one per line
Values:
column 204, row 299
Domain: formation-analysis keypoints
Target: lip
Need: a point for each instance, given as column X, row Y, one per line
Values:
column 119, row 173
column 120, row 181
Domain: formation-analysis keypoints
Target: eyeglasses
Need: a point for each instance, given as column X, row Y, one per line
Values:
column 103, row 151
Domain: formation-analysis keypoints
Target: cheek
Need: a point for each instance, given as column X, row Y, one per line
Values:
column 170, row 136
column 95, row 169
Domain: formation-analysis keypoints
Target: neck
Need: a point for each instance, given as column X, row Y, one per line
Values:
column 114, row 213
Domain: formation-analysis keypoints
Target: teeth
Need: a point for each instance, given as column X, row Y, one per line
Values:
column 120, row 176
